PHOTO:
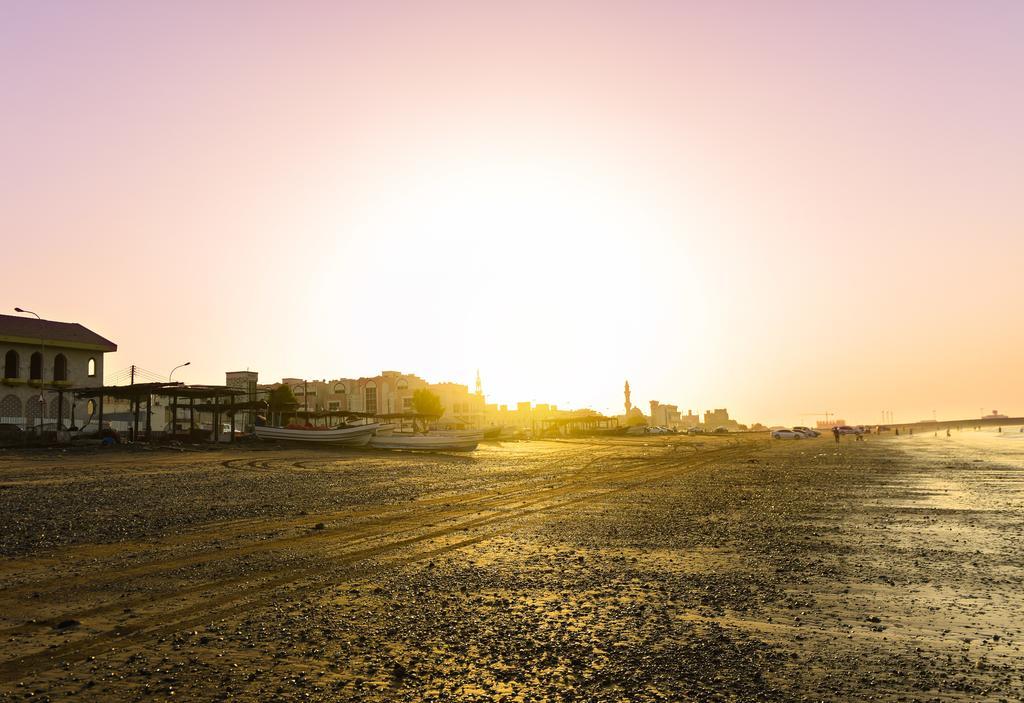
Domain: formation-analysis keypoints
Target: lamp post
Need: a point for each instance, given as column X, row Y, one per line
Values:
column 42, row 367
column 171, row 374
column 174, row 400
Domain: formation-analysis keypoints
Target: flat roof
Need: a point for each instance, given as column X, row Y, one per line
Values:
column 176, row 389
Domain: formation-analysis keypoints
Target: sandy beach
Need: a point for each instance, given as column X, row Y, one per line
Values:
column 650, row 569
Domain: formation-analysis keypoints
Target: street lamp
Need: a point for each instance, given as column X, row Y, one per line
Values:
column 174, row 400
column 28, row 312
column 42, row 366
column 171, row 374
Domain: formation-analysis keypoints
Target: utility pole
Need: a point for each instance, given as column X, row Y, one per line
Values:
column 135, row 401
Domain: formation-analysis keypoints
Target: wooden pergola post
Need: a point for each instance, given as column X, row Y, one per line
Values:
column 191, row 417
column 135, row 427
column 149, row 418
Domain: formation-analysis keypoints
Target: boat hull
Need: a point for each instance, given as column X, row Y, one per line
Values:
column 357, row 436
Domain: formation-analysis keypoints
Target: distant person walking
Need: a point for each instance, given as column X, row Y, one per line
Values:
column 835, row 433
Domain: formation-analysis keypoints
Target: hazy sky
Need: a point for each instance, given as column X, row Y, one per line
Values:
column 778, row 207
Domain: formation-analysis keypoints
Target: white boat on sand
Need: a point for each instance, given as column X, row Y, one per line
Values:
column 430, row 443
column 356, row 436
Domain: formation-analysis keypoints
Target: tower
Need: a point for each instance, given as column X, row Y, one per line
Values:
column 479, row 384
column 629, row 405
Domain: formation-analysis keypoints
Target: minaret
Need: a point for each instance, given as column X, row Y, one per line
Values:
column 629, row 405
column 479, row 384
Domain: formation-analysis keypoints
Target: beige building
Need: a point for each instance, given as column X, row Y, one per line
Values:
column 390, row 392
column 249, row 382
column 529, row 416
column 719, row 417
column 460, row 406
column 664, row 415
column 690, row 419
column 43, row 361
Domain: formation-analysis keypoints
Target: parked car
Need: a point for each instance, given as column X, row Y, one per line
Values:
column 695, row 430
column 846, row 429
column 787, row 434
column 807, row 431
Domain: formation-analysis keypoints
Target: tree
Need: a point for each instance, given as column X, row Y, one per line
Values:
column 426, row 402
column 282, row 399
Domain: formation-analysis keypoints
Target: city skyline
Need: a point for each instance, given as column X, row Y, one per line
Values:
column 779, row 210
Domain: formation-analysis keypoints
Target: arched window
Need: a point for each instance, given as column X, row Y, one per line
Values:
column 402, row 384
column 370, row 395
column 11, row 363
column 339, row 388
column 60, row 368
column 92, row 367
column 10, row 409
column 35, row 367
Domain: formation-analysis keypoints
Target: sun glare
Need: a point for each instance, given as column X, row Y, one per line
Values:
column 519, row 260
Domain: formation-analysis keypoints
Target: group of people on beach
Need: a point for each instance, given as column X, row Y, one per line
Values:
column 837, row 434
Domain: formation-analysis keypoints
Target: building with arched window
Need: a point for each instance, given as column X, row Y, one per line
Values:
column 43, row 361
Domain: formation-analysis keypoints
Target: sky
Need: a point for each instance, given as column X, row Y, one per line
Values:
column 781, row 208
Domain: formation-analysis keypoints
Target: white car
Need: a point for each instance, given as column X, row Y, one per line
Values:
column 787, row 434
column 807, row 431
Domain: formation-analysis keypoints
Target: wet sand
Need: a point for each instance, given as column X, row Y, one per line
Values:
column 657, row 569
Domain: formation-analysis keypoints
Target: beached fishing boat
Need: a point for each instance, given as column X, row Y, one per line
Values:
column 431, row 442
column 356, row 436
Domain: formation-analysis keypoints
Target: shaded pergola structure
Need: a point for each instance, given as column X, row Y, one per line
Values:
column 581, row 424
column 218, row 400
